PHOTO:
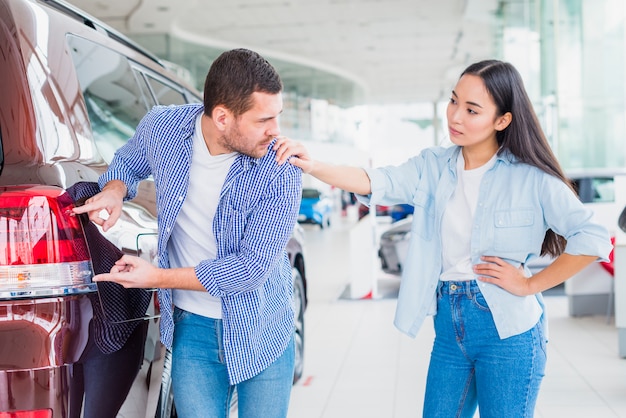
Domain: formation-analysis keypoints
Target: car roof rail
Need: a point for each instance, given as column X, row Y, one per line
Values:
column 90, row 21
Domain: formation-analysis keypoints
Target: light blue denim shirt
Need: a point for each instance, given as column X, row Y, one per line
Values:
column 517, row 204
column 256, row 214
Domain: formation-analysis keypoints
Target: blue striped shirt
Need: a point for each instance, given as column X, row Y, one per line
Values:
column 257, row 211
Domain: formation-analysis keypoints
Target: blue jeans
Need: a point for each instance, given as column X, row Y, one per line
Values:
column 470, row 366
column 200, row 379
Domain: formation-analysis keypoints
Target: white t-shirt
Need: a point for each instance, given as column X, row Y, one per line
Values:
column 192, row 238
column 458, row 218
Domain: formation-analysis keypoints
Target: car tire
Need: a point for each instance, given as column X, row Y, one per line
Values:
column 298, row 307
column 165, row 406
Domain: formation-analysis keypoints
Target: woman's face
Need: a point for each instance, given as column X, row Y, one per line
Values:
column 472, row 114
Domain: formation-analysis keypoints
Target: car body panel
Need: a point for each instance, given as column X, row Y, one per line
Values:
column 41, row 338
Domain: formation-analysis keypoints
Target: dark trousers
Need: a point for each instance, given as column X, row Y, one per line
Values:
column 106, row 379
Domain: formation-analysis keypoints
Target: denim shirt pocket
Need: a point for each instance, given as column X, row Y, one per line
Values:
column 513, row 230
column 424, row 213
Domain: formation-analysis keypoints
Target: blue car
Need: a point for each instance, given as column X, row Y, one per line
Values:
column 399, row 212
column 315, row 208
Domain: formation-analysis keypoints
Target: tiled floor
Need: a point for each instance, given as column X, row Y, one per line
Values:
column 358, row 365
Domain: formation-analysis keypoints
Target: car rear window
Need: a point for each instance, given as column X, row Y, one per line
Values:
column 118, row 92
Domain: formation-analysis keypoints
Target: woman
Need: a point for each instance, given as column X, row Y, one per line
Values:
column 483, row 208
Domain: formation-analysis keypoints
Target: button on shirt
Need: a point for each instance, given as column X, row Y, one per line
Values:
column 256, row 213
column 517, row 204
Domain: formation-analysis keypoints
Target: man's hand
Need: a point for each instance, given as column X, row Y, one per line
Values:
column 105, row 208
column 294, row 152
column 131, row 272
column 499, row 272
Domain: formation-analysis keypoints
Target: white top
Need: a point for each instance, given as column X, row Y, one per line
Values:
column 193, row 238
column 458, row 218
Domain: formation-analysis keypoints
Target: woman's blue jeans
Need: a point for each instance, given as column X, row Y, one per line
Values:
column 200, row 380
column 470, row 366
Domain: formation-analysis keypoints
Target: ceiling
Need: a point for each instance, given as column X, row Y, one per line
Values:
column 397, row 50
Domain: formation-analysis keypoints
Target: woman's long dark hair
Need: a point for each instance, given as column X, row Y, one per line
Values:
column 524, row 137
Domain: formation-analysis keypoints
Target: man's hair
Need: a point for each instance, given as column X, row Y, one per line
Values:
column 234, row 76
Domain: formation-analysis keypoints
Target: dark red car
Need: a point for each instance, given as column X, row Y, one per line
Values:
column 73, row 91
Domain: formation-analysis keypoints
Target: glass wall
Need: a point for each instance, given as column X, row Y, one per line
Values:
column 316, row 103
column 571, row 55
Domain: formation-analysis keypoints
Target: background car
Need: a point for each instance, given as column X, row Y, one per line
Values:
column 399, row 212
column 315, row 207
column 381, row 210
column 73, row 92
column 394, row 244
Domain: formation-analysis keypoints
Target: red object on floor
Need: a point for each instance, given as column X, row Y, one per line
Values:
column 609, row 265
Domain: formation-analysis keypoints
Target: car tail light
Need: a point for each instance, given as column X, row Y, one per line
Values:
column 43, row 251
column 40, row 413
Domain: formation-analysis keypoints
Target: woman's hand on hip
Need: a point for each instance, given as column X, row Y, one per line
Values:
column 497, row 271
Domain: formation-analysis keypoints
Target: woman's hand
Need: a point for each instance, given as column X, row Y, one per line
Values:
column 294, row 152
column 499, row 272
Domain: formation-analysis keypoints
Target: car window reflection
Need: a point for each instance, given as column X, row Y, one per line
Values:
column 114, row 100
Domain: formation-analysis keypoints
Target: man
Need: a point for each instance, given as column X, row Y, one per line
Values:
column 226, row 210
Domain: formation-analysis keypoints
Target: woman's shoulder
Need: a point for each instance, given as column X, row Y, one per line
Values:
column 530, row 174
column 438, row 154
column 441, row 150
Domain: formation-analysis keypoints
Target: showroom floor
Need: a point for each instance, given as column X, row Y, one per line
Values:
column 358, row 365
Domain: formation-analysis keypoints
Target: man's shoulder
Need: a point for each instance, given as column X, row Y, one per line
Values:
column 268, row 163
column 173, row 118
column 176, row 111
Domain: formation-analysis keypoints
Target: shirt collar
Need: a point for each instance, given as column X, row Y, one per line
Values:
column 503, row 155
column 188, row 125
column 506, row 156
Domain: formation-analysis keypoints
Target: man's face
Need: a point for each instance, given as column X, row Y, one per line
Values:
column 252, row 132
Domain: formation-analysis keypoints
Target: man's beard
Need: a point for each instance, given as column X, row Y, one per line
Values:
column 234, row 141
